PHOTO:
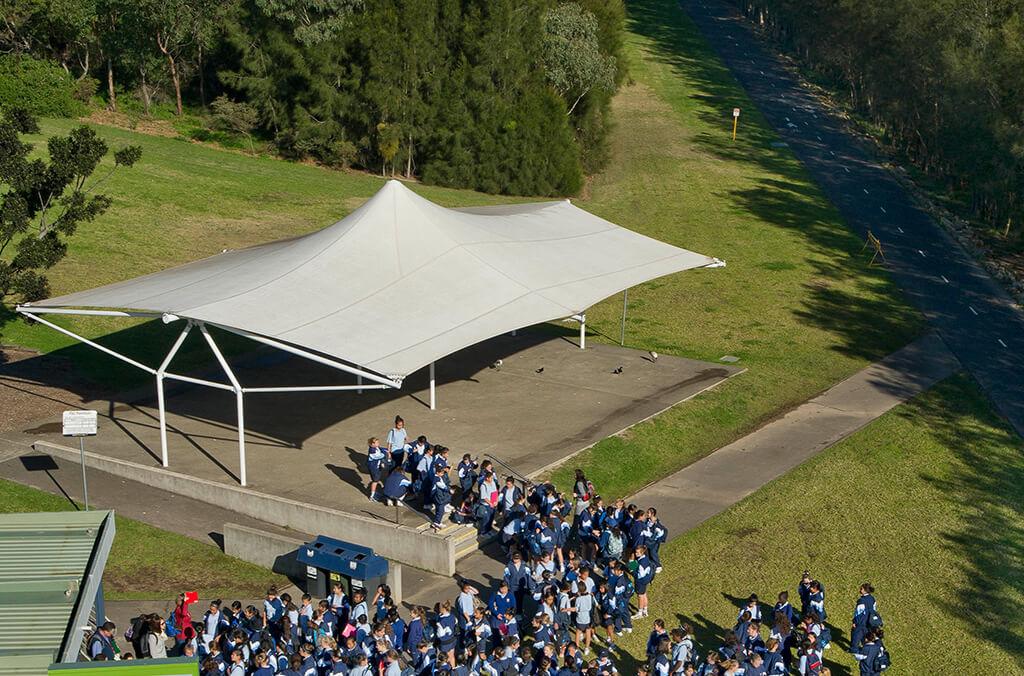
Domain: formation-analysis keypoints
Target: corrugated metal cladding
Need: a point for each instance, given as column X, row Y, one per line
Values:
column 45, row 559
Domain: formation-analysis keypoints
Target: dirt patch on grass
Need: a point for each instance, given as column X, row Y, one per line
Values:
column 24, row 398
column 142, row 125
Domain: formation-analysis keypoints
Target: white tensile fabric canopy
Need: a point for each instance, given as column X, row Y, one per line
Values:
column 396, row 285
column 401, row 282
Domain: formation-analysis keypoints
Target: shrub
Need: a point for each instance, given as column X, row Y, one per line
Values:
column 41, row 87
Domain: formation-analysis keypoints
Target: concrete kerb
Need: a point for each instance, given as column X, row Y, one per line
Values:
column 561, row 461
column 397, row 543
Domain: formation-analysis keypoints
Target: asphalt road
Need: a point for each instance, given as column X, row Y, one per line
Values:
column 972, row 313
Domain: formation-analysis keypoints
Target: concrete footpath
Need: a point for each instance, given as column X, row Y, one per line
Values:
column 709, row 486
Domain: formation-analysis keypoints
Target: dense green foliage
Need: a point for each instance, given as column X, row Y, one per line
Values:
column 504, row 96
column 39, row 86
column 943, row 79
column 45, row 201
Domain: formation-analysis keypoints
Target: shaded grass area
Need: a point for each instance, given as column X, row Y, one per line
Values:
column 797, row 302
column 926, row 503
column 149, row 563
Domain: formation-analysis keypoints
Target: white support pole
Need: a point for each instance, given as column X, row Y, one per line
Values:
column 622, row 330
column 239, row 400
column 583, row 330
column 359, row 383
column 30, row 310
column 160, row 372
column 316, row 388
column 90, row 343
column 240, row 404
column 433, row 399
column 397, row 384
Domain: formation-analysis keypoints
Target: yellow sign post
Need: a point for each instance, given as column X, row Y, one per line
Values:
column 735, row 121
column 876, row 244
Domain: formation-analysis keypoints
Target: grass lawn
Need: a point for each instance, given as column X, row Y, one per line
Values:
column 149, row 563
column 926, row 503
column 797, row 302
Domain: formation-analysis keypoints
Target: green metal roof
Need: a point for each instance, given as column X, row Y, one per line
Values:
column 50, row 569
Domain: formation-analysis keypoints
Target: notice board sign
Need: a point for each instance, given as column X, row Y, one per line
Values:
column 79, row 423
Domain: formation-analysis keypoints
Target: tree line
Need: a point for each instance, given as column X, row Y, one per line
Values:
column 942, row 79
column 504, row 96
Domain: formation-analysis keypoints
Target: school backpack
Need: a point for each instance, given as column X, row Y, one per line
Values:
column 136, row 633
column 874, row 620
column 882, row 660
column 825, row 637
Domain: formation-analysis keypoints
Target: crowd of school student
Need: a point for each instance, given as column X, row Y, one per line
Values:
column 576, row 578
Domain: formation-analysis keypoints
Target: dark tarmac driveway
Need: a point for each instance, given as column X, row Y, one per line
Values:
column 973, row 315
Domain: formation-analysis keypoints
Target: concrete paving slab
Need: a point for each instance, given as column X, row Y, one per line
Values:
column 310, row 447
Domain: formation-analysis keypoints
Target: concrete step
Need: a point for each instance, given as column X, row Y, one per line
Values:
column 467, row 542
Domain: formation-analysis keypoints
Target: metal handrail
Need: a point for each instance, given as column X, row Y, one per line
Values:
column 511, row 470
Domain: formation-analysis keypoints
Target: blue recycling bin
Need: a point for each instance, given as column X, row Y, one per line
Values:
column 329, row 561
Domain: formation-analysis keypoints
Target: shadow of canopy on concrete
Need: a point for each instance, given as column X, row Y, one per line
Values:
column 396, row 285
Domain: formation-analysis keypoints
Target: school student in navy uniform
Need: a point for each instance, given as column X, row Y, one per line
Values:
column 424, row 659
column 785, row 607
column 376, row 464
column 467, row 473
column 425, row 473
column 440, row 496
column 655, row 536
column 816, row 599
column 620, row 585
column 803, row 589
column 865, row 613
column 519, row 579
column 508, row 496
column 445, row 631
column 644, row 575
column 871, row 655
column 396, row 486
column 774, row 664
column 662, row 658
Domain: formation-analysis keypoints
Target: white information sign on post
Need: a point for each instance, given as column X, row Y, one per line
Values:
column 79, row 423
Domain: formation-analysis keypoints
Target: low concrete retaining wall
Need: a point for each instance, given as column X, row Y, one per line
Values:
column 396, row 543
column 277, row 552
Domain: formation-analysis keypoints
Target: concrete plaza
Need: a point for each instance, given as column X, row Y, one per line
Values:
column 548, row 400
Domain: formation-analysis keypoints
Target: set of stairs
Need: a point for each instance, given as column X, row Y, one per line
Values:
column 464, row 537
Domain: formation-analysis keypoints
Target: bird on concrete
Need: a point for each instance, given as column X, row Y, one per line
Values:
column 654, row 355
column 497, row 365
column 540, row 370
column 617, row 371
